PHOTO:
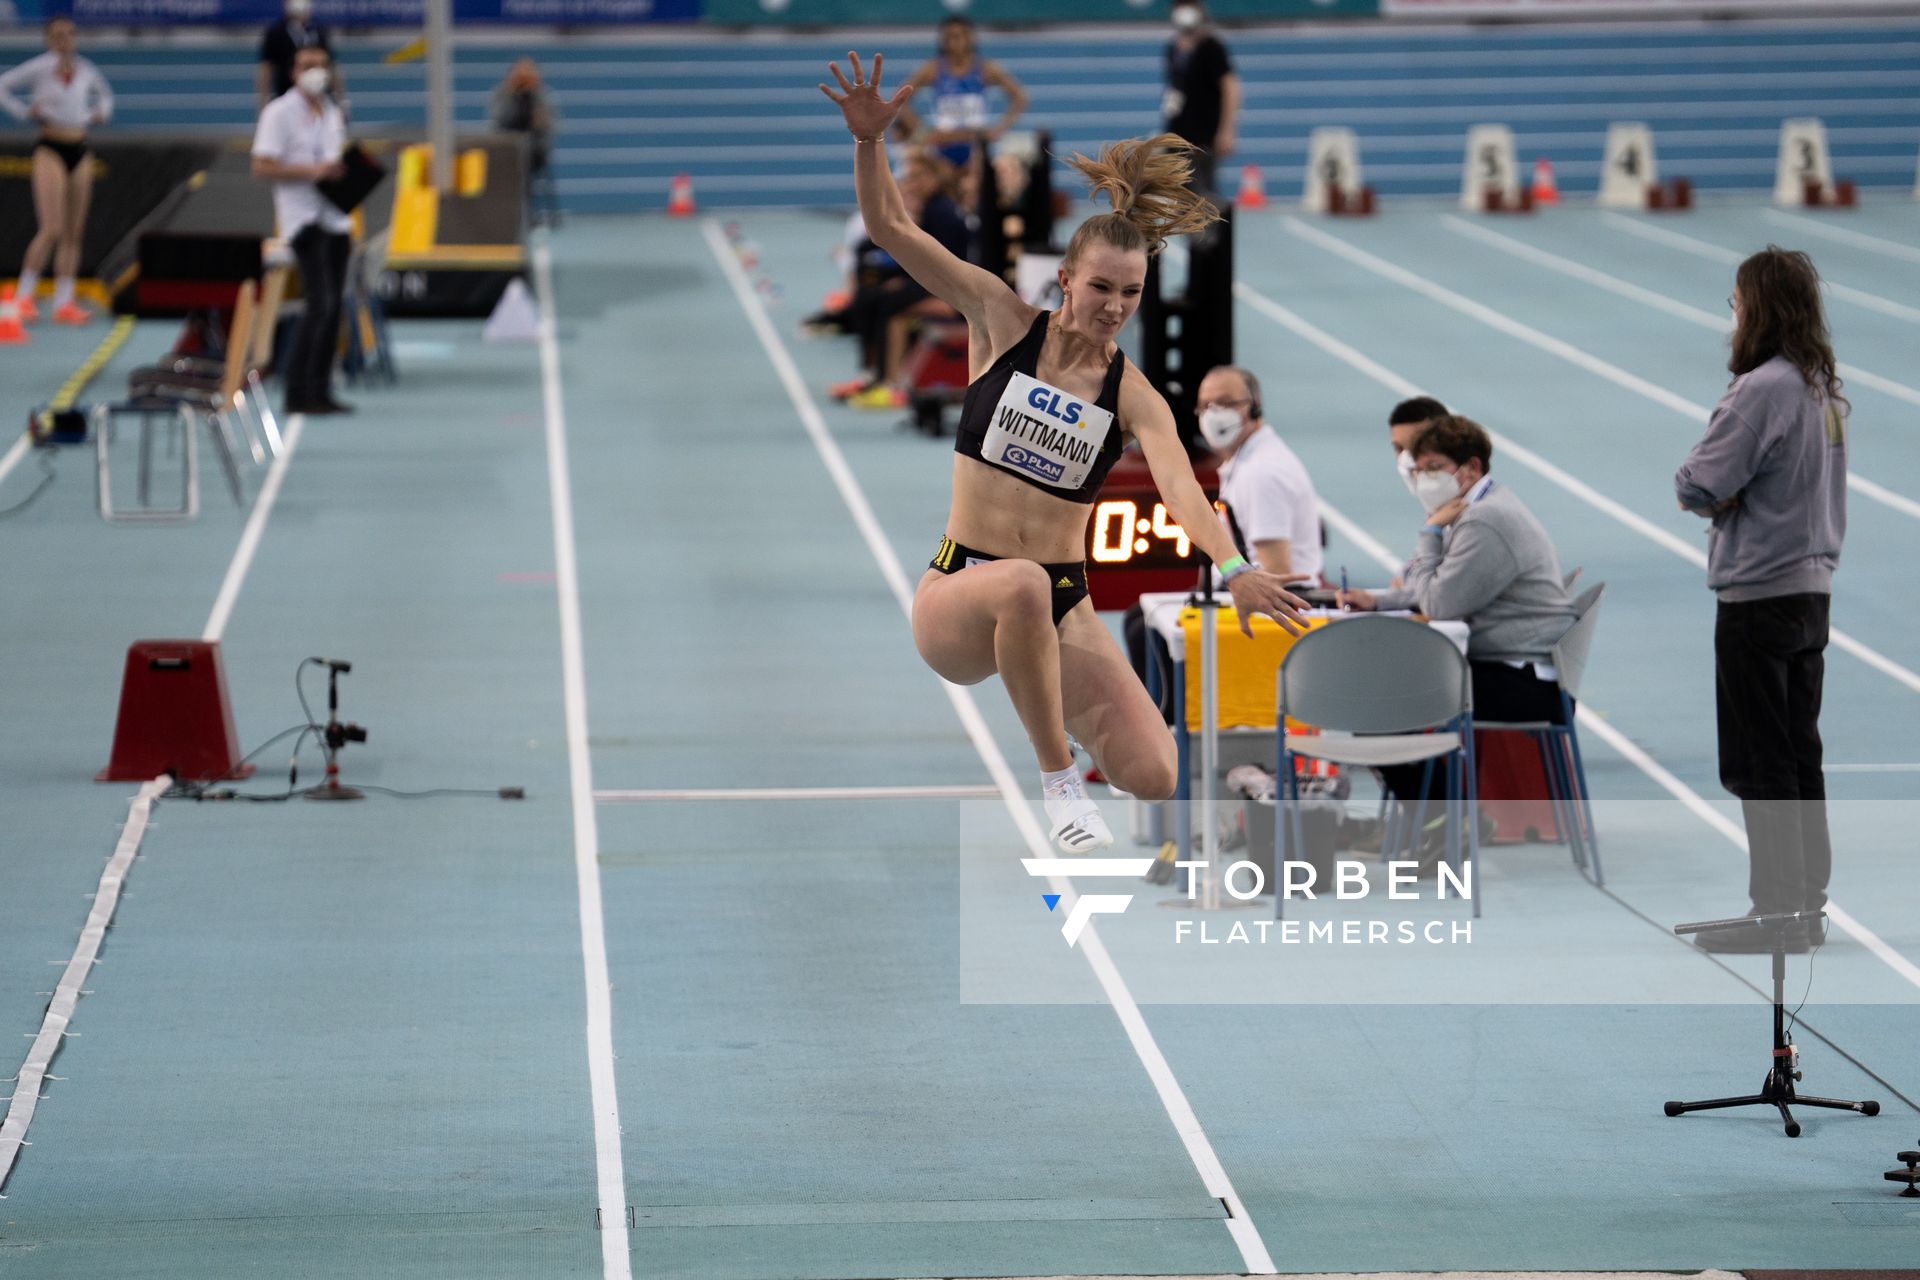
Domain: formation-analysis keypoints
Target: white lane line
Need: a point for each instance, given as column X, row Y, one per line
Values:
column 250, row 536
column 1566, row 351
column 604, row 1097
column 66, row 993
column 1679, row 790
column 702, row 794
column 1253, row 1250
column 1844, row 235
column 14, row 454
column 1671, row 306
column 106, row 897
column 1719, row 253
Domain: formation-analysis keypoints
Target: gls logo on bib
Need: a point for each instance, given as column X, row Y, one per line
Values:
column 1043, row 432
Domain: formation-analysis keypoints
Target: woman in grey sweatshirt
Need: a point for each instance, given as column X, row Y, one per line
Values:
column 1771, row 473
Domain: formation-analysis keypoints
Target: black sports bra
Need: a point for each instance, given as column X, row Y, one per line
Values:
column 1032, row 429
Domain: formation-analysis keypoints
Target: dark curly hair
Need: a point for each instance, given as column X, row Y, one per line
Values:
column 1781, row 315
column 1459, row 440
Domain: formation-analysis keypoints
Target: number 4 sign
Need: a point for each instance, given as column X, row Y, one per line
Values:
column 1803, row 160
column 1630, row 169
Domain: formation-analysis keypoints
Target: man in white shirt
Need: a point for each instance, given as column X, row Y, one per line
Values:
column 297, row 146
column 1272, row 510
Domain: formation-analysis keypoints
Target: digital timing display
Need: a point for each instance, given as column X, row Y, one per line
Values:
column 1134, row 545
column 1140, row 533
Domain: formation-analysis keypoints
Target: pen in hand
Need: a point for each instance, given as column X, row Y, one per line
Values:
column 1343, row 589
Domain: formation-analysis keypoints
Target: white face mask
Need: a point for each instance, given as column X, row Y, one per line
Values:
column 1403, row 464
column 1186, row 18
column 1435, row 489
column 313, row 81
column 1220, row 426
column 299, row 9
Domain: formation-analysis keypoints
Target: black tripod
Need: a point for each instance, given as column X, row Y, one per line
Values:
column 1777, row 1089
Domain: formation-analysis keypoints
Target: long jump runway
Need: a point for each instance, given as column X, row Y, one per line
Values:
column 752, row 985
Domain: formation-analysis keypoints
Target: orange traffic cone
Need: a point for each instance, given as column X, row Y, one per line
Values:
column 1546, row 190
column 680, row 197
column 12, row 332
column 1253, row 189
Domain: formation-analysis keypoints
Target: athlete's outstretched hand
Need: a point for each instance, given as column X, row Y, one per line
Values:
column 868, row 114
column 1257, row 591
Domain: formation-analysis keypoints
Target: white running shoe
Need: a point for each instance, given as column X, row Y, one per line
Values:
column 1077, row 826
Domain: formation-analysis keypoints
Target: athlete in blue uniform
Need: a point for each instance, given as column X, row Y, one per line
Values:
column 959, row 78
column 1051, row 401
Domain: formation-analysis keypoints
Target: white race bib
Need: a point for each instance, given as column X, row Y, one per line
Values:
column 1045, row 434
column 956, row 111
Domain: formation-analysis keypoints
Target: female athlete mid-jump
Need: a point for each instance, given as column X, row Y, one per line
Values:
column 1049, row 406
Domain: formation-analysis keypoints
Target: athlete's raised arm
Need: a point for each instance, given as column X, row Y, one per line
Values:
column 983, row 298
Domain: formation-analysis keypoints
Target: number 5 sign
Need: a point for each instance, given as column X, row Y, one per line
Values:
column 1803, row 159
column 1490, row 166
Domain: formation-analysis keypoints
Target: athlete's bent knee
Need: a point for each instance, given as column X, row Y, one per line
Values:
column 1153, row 777
column 1026, row 592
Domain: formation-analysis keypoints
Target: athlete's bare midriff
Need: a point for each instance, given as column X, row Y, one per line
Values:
column 995, row 512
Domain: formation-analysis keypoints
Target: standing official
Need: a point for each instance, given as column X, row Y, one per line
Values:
column 1771, row 473
column 280, row 42
column 296, row 147
column 1202, row 100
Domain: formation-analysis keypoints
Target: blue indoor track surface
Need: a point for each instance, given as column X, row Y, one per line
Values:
column 843, row 1036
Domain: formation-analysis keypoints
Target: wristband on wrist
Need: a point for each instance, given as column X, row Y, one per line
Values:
column 1433, row 529
column 1233, row 568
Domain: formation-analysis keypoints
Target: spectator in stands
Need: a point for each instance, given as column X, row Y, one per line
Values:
column 960, row 78
column 885, row 291
column 1771, row 473
column 296, row 147
column 1271, row 508
column 1202, row 101
column 64, row 94
column 279, row 44
column 1484, row 559
column 520, row 105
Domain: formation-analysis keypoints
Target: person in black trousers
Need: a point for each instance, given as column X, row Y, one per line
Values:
column 1771, row 473
column 297, row 146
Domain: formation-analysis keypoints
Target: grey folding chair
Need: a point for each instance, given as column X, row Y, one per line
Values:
column 188, row 396
column 1380, row 691
column 1559, row 744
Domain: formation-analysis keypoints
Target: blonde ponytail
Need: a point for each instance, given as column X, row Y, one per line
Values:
column 1146, row 181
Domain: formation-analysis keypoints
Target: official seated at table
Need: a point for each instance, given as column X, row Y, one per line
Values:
column 1483, row 558
column 1272, row 510
column 1270, row 505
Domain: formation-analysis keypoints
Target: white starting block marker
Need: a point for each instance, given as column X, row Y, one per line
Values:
column 1803, row 159
column 1490, row 167
column 1630, row 168
column 1333, row 164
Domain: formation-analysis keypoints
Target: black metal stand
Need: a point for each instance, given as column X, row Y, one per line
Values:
column 1776, row 1090
column 1909, row 1175
column 336, row 735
